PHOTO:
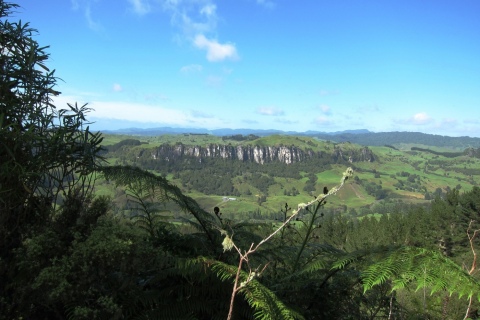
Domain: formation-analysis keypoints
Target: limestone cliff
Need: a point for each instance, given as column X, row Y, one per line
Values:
column 259, row 154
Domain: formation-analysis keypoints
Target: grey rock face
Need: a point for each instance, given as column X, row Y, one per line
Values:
column 258, row 154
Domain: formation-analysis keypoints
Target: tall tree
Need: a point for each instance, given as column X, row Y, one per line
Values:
column 46, row 154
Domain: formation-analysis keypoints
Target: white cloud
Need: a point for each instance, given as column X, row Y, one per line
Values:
column 200, row 114
column 92, row 24
column 472, row 121
column 85, row 7
column 322, row 121
column 449, row 121
column 286, row 121
column 214, row 81
column 192, row 17
column 191, row 68
column 250, row 121
column 448, row 125
column 370, row 111
column 140, row 7
column 324, row 108
column 215, row 50
column 155, row 97
column 75, row 4
column 138, row 113
column 117, row 87
column 196, row 20
column 266, row 3
column 80, row 98
column 421, row 118
column 106, row 112
column 270, row 111
column 208, row 10
column 227, row 70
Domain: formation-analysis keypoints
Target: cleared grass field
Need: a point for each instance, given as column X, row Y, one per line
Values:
column 390, row 169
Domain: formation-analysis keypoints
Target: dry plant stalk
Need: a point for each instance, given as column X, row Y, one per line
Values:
column 471, row 238
column 228, row 243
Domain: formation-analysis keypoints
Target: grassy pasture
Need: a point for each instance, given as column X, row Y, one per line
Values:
column 431, row 172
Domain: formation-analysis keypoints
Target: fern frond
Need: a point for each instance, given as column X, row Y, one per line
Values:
column 127, row 175
column 426, row 268
column 195, row 225
column 265, row 303
column 162, row 189
column 343, row 259
column 184, row 289
column 318, row 261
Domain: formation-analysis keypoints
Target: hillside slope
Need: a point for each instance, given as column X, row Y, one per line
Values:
column 264, row 173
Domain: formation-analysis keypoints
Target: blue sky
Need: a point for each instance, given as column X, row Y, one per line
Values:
column 404, row 65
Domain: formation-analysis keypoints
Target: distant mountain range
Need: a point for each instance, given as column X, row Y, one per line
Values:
column 225, row 131
column 358, row 136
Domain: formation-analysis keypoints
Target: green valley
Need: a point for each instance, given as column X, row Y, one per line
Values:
column 393, row 173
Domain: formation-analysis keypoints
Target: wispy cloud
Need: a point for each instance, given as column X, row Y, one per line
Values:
column 192, row 68
column 197, row 21
column 140, row 7
column 85, row 7
column 75, row 4
column 200, row 114
column 92, row 24
column 192, row 17
column 138, row 112
column 472, row 121
column 266, row 3
column 449, row 121
column 117, row 87
column 214, row 81
column 368, row 109
column 448, row 125
column 143, row 113
column 215, row 50
column 325, row 109
column 155, row 98
column 420, row 119
column 322, row 120
column 270, row 111
column 286, row 121
column 208, row 10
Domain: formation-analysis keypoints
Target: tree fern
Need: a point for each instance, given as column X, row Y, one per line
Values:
column 265, row 303
column 149, row 215
column 321, row 259
column 164, row 190
column 406, row 265
column 424, row 267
